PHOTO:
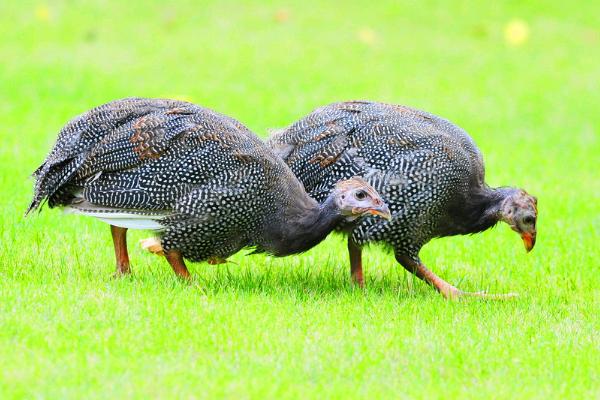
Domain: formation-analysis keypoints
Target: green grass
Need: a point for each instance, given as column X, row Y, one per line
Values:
column 296, row 327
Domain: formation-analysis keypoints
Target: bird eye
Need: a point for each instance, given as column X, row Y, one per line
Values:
column 529, row 220
column 360, row 195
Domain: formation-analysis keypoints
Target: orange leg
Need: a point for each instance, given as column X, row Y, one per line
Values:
column 176, row 260
column 356, row 270
column 119, row 236
column 447, row 290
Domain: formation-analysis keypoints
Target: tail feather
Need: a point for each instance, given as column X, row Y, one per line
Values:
column 50, row 178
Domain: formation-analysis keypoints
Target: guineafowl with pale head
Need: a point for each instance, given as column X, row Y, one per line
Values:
column 206, row 184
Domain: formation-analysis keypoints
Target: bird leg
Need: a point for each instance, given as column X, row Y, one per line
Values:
column 356, row 271
column 119, row 236
column 176, row 260
column 447, row 290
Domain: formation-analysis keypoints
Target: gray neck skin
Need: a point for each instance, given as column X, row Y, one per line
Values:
column 481, row 210
column 302, row 227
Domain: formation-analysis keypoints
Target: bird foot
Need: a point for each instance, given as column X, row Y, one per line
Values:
column 492, row 296
column 458, row 294
column 218, row 260
column 153, row 245
column 121, row 273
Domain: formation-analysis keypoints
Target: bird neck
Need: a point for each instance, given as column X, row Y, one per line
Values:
column 483, row 208
column 305, row 225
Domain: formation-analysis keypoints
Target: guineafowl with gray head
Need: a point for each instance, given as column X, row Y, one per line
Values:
column 429, row 171
column 206, row 184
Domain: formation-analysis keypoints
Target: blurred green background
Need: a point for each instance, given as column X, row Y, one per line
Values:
column 521, row 77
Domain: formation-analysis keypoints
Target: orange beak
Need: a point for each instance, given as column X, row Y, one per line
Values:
column 528, row 240
column 383, row 211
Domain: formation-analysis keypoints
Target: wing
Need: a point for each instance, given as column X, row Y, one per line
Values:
column 216, row 218
column 326, row 146
column 114, row 150
column 381, row 142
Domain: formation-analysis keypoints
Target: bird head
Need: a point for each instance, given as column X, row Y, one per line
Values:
column 519, row 210
column 356, row 198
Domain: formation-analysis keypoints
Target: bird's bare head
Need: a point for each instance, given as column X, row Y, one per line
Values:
column 519, row 210
column 355, row 198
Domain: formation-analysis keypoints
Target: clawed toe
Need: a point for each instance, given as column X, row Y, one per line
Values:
column 486, row 295
column 120, row 274
column 452, row 293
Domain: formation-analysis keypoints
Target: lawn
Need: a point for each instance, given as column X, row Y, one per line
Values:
column 521, row 77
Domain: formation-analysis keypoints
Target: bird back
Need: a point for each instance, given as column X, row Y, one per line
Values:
column 418, row 162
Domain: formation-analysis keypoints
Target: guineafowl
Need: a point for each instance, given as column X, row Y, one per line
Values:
column 428, row 170
column 202, row 180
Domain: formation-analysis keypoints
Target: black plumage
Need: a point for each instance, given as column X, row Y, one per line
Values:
column 202, row 180
column 429, row 171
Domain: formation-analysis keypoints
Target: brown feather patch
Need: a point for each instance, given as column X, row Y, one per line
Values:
column 148, row 132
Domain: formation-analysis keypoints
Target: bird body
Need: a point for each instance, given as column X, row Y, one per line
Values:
column 429, row 172
column 202, row 180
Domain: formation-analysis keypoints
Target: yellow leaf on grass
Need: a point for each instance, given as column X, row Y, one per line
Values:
column 42, row 13
column 516, row 32
column 367, row 36
column 282, row 15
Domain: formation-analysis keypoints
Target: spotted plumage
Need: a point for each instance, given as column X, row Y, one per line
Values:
column 200, row 179
column 428, row 170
